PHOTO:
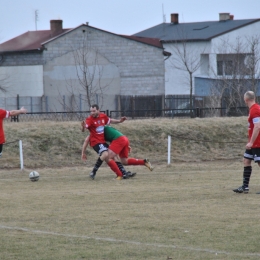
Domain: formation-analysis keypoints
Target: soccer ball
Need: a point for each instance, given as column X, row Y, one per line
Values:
column 34, row 176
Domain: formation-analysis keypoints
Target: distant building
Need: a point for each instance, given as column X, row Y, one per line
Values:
column 48, row 64
column 204, row 46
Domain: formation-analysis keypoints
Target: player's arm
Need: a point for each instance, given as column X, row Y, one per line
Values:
column 84, row 147
column 22, row 110
column 83, row 126
column 255, row 133
column 117, row 121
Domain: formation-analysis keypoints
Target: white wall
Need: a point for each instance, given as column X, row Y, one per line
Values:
column 22, row 80
column 225, row 43
column 176, row 80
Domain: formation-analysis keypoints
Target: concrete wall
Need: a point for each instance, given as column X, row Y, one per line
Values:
column 128, row 67
column 22, row 80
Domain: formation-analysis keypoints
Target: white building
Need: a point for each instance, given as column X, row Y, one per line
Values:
column 201, row 45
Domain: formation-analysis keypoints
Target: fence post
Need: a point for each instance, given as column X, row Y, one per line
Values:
column 80, row 104
column 21, row 153
column 64, row 103
column 31, row 99
column 197, row 112
column 46, row 104
column 16, row 118
column 169, row 149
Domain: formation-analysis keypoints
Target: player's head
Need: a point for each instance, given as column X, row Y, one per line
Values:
column 249, row 97
column 94, row 110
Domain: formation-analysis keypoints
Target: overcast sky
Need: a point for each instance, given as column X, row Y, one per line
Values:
column 117, row 16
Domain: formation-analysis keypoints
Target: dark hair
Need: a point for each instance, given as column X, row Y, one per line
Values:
column 95, row 106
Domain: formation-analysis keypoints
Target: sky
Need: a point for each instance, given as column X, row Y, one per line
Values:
column 117, row 16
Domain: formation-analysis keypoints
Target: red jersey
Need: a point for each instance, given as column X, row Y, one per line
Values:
column 254, row 117
column 3, row 114
column 95, row 126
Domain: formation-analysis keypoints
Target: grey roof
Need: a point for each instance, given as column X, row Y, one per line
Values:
column 199, row 31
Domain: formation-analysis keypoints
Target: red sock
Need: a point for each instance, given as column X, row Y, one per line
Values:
column 112, row 164
column 133, row 161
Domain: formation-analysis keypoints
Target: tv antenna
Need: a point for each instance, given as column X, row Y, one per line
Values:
column 36, row 18
column 164, row 18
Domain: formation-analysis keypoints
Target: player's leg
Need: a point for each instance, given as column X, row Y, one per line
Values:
column 248, row 157
column 115, row 148
column 126, row 174
column 256, row 153
column 112, row 164
column 134, row 161
column 1, row 149
column 102, row 150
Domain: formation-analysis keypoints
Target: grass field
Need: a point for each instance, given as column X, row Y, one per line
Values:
column 182, row 211
column 186, row 210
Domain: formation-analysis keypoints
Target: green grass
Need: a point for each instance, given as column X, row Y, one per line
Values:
column 186, row 210
column 56, row 144
column 182, row 211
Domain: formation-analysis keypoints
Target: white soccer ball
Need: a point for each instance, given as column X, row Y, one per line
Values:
column 34, row 176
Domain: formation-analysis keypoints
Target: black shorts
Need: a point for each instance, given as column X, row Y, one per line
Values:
column 100, row 148
column 253, row 154
column 1, row 149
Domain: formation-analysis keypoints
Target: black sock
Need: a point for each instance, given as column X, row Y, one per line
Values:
column 246, row 175
column 121, row 168
column 97, row 165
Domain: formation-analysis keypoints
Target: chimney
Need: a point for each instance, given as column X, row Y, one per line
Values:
column 175, row 18
column 224, row 16
column 56, row 27
column 231, row 17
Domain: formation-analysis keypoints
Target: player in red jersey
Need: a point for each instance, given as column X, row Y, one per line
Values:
column 253, row 146
column 6, row 114
column 119, row 145
column 95, row 124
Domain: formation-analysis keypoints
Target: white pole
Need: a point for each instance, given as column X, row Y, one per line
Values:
column 169, row 149
column 21, row 153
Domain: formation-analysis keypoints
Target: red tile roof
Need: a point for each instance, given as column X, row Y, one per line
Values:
column 150, row 41
column 31, row 40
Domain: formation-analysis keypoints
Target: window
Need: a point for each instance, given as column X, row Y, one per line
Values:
column 233, row 64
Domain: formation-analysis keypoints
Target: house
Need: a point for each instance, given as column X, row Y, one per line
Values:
column 66, row 69
column 204, row 53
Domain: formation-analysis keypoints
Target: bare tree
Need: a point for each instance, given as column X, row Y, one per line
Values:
column 237, row 70
column 89, row 72
column 187, row 58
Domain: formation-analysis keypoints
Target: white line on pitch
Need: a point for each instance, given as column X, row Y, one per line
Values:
column 127, row 241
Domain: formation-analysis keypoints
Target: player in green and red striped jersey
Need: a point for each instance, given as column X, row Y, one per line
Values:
column 119, row 144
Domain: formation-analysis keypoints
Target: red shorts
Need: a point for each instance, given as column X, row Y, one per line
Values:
column 120, row 146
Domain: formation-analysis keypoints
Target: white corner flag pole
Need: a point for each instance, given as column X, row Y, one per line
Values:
column 169, row 149
column 21, row 153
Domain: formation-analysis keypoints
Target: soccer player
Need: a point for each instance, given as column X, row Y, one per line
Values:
column 6, row 114
column 95, row 124
column 253, row 146
column 119, row 144
column 126, row 174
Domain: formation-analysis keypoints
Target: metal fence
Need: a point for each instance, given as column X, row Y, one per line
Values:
column 133, row 114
